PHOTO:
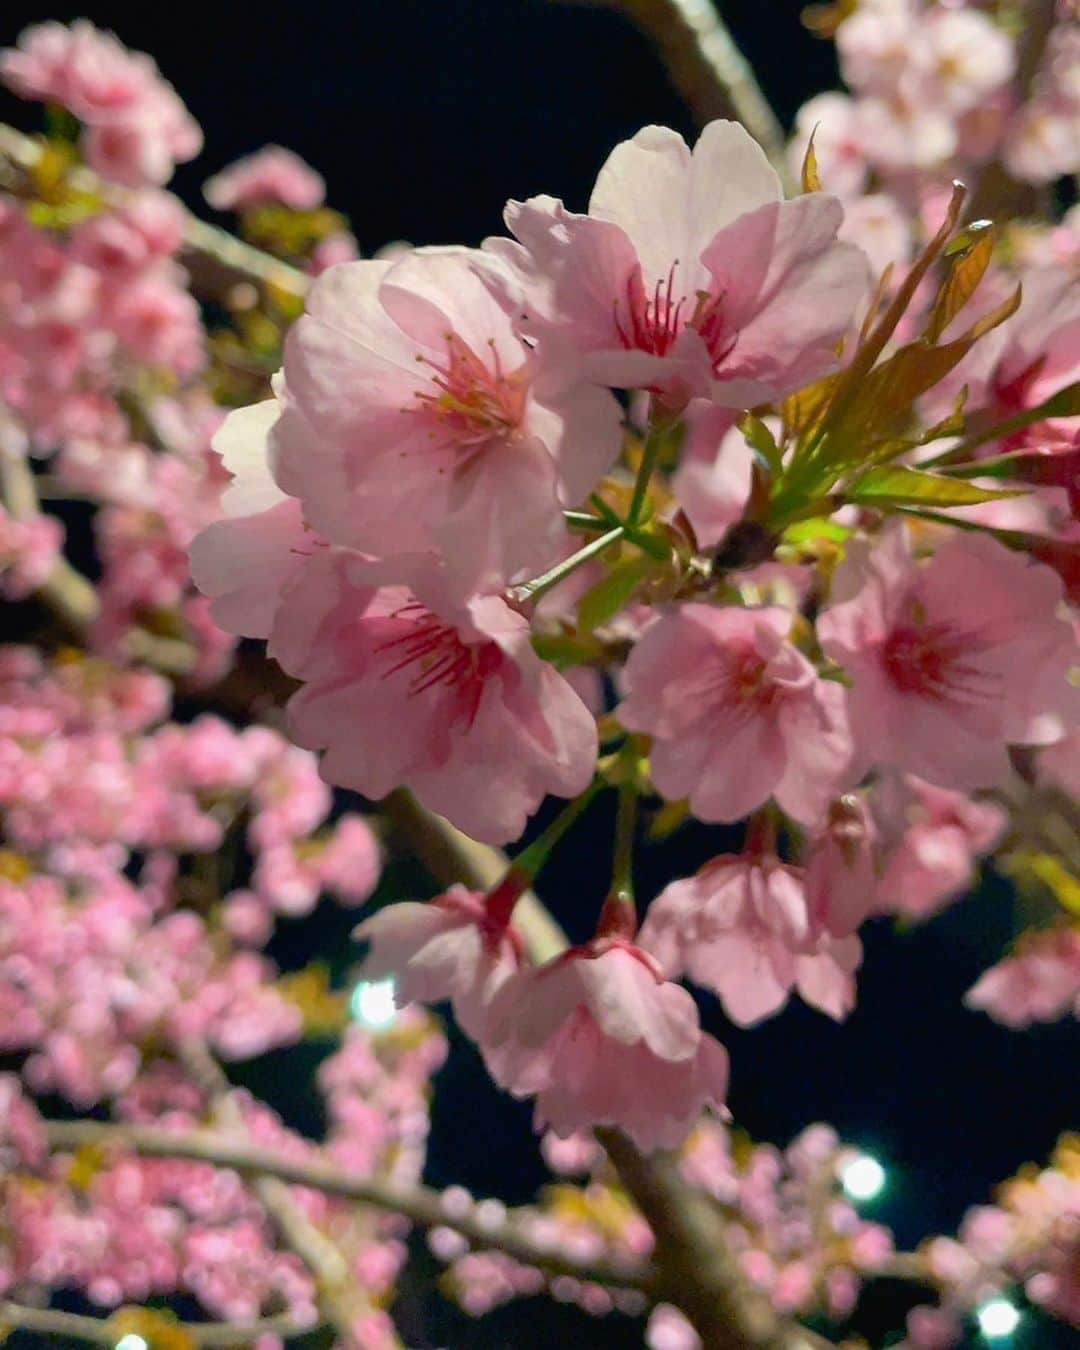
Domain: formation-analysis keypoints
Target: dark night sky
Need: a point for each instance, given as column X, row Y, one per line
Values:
column 424, row 116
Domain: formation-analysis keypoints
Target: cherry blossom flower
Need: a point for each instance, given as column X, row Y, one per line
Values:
column 736, row 712
column 599, row 1037
column 1039, row 982
column 1021, row 364
column 832, row 119
column 404, row 684
column 137, row 128
column 931, row 839
column 941, row 686
column 244, row 561
column 271, row 175
column 457, row 947
column 841, row 867
column 715, row 473
column 742, row 927
column 430, row 430
column 689, row 275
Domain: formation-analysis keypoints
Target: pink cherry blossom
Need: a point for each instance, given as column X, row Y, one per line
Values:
column 28, row 553
column 244, row 561
column 742, row 927
column 931, row 838
column 1040, row 982
column 599, row 1037
column 1022, row 363
column 430, row 430
column 941, row 686
column 689, row 275
column 715, row 473
column 137, row 128
column 271, row 175
column 738, row 715
column 453, row 947
column 404, row 684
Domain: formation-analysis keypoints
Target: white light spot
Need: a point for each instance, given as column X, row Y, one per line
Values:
column 131, row 1342
column 373, row 1005
column 998, row 1318
column 863, row 1178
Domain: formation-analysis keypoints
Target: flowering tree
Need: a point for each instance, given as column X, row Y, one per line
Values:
column 747, row 496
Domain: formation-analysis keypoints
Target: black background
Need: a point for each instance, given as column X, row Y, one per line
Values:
column 425, row 116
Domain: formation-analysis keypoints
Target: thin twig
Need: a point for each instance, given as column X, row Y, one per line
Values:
column 67, row 592
column 102, row 1330
column 420, row 1204
column 708, row 69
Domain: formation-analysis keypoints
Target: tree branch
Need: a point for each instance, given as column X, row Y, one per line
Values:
column 102, row 1330
column 708, row 69
column 67, row 592
column 997, row 195
column 70, row 596
column 341, row 1299
column 694, row 1270
column 418, row 1203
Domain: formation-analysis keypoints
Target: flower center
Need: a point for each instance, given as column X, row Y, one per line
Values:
column 435, row 656
column 651, row 323
column 472, row 400
column 929, row 659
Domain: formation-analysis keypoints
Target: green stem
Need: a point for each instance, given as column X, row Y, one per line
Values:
column 533, row 590
column 653, row 444
column 622, row 872
column 531, row 859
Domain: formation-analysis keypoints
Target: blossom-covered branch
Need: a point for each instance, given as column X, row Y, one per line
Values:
column 107, row 1331
column 417, row 1203
column 707, row 67
column 715, row 501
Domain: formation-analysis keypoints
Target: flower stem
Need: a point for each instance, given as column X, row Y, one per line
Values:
column 533, row 590
column 531, row 859
column 654, row 443
column 622, row 872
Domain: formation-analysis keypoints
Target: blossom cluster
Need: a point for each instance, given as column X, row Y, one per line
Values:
column 743, row 508
column 405, row 499
column 108, row 810
column 795, row 1236
column 124, row 1229
column 135, row 128
column 933, row 96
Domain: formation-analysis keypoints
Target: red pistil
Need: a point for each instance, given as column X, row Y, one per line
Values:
column 928, row 659
column 653, row 323
column 438, row 656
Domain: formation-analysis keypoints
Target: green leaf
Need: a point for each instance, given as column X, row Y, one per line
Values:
column 966, row 239
column 1065, row 403
column 897, row 485
column 969, row 263
column 604, row 600
column 807, row 532
column 760, row 439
